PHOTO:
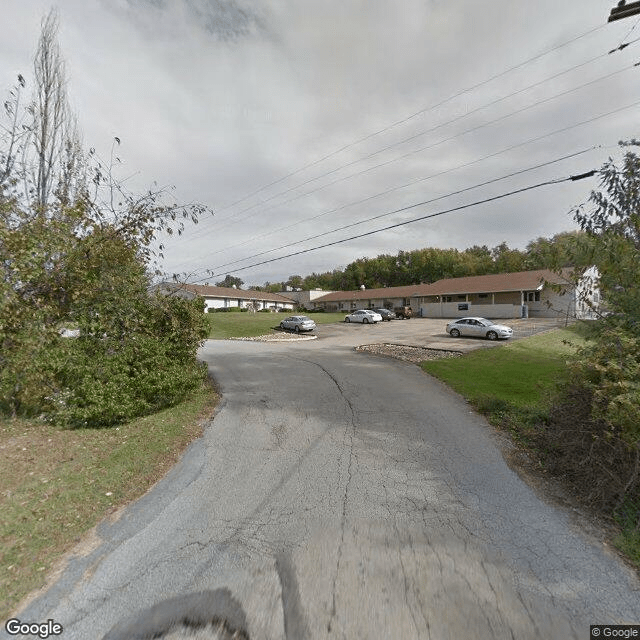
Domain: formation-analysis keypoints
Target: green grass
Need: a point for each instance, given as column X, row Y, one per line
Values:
column 56, row 484
column 628, row 541
column 520, row 374
column 248, row 325
column 513, row 387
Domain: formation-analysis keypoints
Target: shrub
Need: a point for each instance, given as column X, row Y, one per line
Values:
column 76, row 249
column 589, row 451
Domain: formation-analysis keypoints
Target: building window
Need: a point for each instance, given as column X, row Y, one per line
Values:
column 483, row 295
column 532, row 296
column 447, row 298
column 463, row 306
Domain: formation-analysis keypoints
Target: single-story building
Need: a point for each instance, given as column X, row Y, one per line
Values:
column 539, row 294
column 386, row 298
column 225, row 297
column 542, row 293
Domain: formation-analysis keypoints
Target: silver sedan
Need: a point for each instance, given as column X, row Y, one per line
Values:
column 479, row 328
column 298, row 324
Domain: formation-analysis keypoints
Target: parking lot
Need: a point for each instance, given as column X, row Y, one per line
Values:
column 424, row 332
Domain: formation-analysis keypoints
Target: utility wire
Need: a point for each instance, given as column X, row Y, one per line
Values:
column 623, row 44
column 421, row 218
column 389, row 213
column 494, row 154
column 419, row 150
column 414, row 115
column 408, row 139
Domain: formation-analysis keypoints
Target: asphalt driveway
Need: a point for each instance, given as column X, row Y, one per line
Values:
column 338, row 495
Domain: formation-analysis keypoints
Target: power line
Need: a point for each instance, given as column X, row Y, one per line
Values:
column 419, row 150
column 417, row 113
column 400, row 210
column 408, row 139
column 494, row 154
column 421, row 218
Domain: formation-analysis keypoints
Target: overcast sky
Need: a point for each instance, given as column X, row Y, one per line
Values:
column 223, row 97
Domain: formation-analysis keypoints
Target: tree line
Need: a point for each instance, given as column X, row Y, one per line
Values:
column 572, row 248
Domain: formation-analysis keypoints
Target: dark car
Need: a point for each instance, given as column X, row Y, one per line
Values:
column 403, row 312
column 386, row 314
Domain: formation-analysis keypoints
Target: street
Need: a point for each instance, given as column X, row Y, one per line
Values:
column 340, row 495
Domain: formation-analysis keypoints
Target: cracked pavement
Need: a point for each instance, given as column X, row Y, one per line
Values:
column 340, row 495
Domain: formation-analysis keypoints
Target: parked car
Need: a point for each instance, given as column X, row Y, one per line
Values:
column 478, row 327
column 366, row 316
column 386, row 314
column 403, row 312
column 298, row 324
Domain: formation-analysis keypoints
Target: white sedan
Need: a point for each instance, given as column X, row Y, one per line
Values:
column 365, row 316
column 479, row 328
column 298, row 324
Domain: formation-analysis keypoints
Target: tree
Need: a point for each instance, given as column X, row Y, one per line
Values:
column 79, row 257
column 230, row 281
column 594, row 432
column 295, row 282
column 53, row 127
column 41, row 149
column 507, row 260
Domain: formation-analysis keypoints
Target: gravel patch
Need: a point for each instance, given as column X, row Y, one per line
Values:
column 408, row 353
column 277, row 337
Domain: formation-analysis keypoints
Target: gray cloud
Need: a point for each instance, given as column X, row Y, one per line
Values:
column 221, row 98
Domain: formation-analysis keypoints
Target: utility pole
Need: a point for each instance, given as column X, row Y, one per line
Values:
column 624, row 10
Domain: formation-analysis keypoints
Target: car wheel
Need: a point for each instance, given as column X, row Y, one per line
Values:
column 297, row 329
column 347, row 320
column 492, row 335
column 454, row 333
column 365, row 321
column 282, row 325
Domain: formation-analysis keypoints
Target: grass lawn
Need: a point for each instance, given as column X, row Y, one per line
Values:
column 248, row 325
column 57, row 484
column 521, row 373
column 513, row 386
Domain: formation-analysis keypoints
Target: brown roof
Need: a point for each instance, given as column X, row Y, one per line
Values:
column 493, row 283
column 370, row 294
column 207, row 291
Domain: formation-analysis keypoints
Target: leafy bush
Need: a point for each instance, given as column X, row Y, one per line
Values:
column 136, row 353
column 593, row 435
column 76, row 250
